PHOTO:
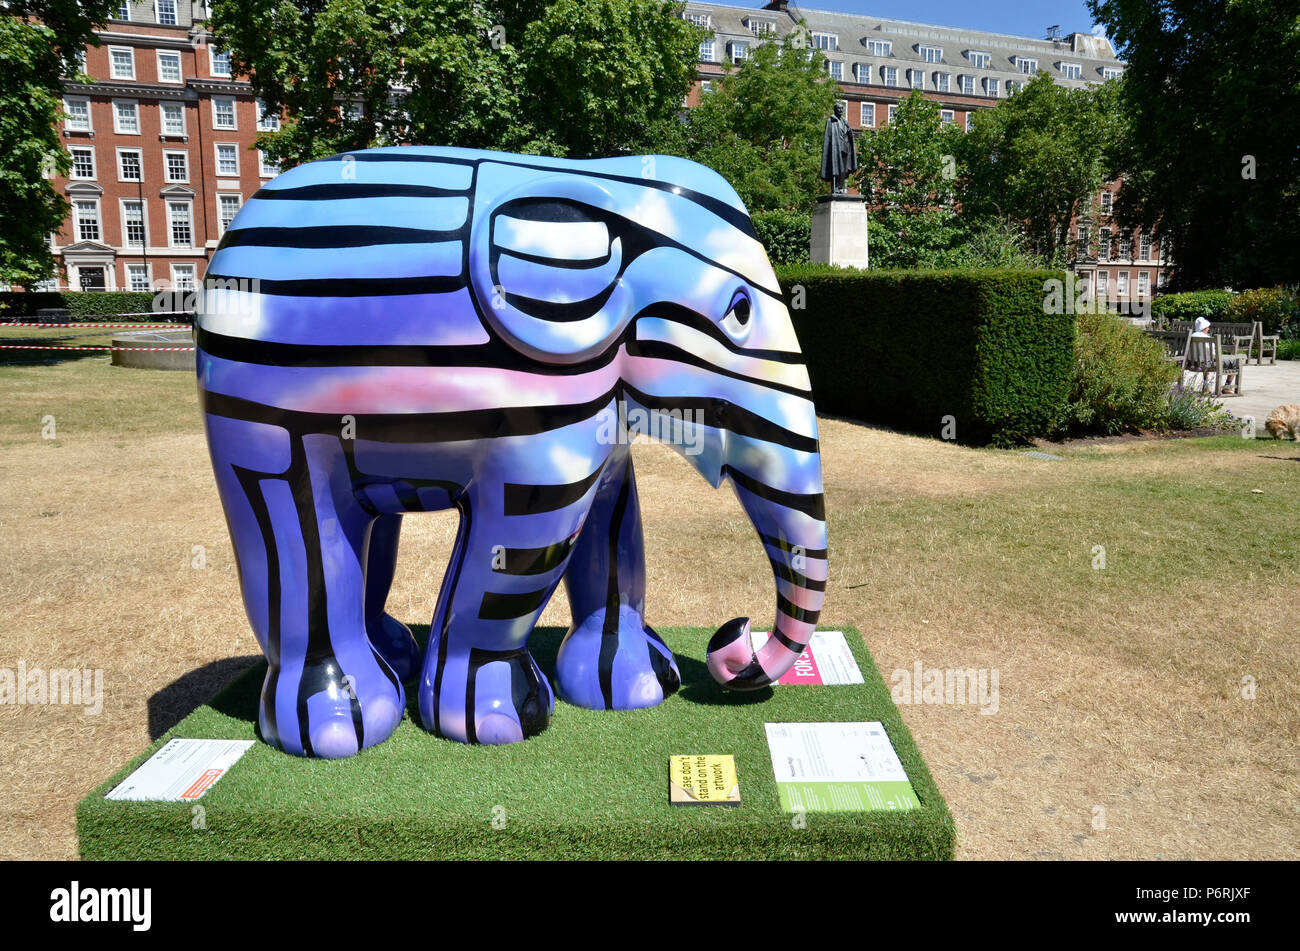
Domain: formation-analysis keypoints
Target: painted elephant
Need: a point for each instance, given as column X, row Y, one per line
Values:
column 413, row 329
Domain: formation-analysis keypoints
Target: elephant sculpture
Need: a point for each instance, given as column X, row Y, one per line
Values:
column 411, row 329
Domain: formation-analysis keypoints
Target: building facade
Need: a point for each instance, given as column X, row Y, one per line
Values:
column 878, row 62
column 162, row 152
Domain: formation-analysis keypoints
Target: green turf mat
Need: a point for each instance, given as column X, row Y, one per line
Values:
column 594, row 785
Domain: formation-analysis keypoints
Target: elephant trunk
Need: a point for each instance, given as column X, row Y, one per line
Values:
column 792, row 527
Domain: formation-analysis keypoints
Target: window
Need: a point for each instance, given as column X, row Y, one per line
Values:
column 706, row 51
column 879, row 47
column 893, row 111
column 1083, row 239
column 966, row 85
column 86, row 211
column 739, row 51
column 176, row 166
column 1103, row 244
column 930, row 54
column 123, row 11
column 1144, row 248
column 1126, row 249
column 227, row 208
column 699, row 19
column 83, row 161
column 183, row 277
column 970, row 121
column 835, row 68
column 916, row 78
column 862, row 72
column 169, row 66
column 268, row 169
column 1107, row 202
column 227, row 160
column 889, row 75
column 1071, row 70
column 133, row 225
column 219, row 60
column 126, row 116
column 706, row 85
column 1161, row 277
column 179, row 224
column 1014, row 86
column 137, row 277
column 943, row 82
column 1144, row 283
column 868, row 115
column 78, row 111
column 1121, row 283
column 1026, row 65
column 223, row 113
column 992, row 86
column 827, row 42
column 121, row 62
column 761, row 27
column 1103, row 281
column 1111, row 72
column 979, row 59
column 173, row 118
column 165, row 12
column 129, row 167
column 947, row 116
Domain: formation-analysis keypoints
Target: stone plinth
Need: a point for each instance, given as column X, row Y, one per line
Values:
column 839, row 231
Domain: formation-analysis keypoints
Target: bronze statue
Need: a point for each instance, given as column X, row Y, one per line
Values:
column 839, row 153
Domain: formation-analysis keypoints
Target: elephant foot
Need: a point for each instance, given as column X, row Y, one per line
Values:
column 626, row 669
column 481, row 696
column 396, row 645
column 330, row 711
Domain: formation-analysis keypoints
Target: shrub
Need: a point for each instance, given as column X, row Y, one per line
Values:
column 787, row 235
column 1288, row 349
column 1120, row 381
column 1274, row 307
column 1212, row 305
column 1189, row 408
column 910, row 348
column 84, row 305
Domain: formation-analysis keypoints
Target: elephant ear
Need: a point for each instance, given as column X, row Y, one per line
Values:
column 546, row 265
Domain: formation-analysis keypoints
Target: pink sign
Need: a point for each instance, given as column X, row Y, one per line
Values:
column 804, row 670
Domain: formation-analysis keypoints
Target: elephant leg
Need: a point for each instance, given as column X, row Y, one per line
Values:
column 299, row 536
column 479, row 682
column 389, row 636
column 611, row 659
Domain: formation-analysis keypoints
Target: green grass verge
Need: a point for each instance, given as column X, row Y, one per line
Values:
column 593, row 786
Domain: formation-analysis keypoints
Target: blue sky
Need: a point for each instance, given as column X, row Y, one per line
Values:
column 1018, row 17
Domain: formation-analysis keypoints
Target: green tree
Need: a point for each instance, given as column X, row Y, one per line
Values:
column 1212, row 94
column 761, row 127
column 39, row 42
column 1038, row 158
column 561, row 78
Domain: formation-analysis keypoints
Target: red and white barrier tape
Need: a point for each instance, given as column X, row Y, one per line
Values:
column 14, row 346
column 19, row 323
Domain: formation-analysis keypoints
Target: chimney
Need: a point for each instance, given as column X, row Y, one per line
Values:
column 778, row 5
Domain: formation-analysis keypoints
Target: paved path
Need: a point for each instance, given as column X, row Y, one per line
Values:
column 1267, row 387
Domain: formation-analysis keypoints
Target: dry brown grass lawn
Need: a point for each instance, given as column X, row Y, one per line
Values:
column 1120, row 689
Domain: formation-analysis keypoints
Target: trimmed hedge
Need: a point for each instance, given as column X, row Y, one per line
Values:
column 909, row 348
column 86, row 305
column 1212, row 305
column 786, row 235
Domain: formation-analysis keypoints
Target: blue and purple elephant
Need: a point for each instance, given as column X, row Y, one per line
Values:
column 413, row 329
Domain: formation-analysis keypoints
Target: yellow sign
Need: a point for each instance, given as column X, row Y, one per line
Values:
column 703, row 780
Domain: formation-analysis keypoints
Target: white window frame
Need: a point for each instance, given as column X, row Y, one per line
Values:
column 893, row 111
column 180, row 66
column 942, row 81
column 191, row 283
column 867, row 115
column 123, row 8
column 94, row 167
column 171, row 221
column 916, row 78
column 1111, row 72
column 835, row 69
column 699, row 19
column 966, row 84
column 929, row 54
column 129, row 266
column 831, row 41
column 144, row 220
column 213, row 53
column 759, row 27
column 269, row 171
column 239, row 203
column 1027, row 65
column 112, row 62
column 1103, row 283
column 1104, row 238
column 234, row 114
column 162, row 117
column 1144, row 284
column 880, row 47
column 1071, row 70
column 157, row 13
column 889, row 76
column 167, row 168
column 862, row 73
column 980, row 59
column 707, row 51
column 117, row 124
column 992, row 87
column 738, row 51
column 139, row 154
column 1145, row 244
column 970, row 119
column 1107, row 201
column 1121, row 283
column 77, row 219
column 216, row 157
column 71, row 123
column 947, row 117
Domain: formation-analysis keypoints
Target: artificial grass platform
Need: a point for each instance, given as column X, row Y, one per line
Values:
column 594, row 785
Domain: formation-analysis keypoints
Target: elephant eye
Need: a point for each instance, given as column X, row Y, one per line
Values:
column 736, row 319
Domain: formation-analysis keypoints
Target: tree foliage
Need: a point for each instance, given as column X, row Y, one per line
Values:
column 566, row 78
column 1212, row 95
column 39, row 42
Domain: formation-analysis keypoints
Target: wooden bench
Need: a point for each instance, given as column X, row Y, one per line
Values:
column 1241, row 338
column 1204, row 355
